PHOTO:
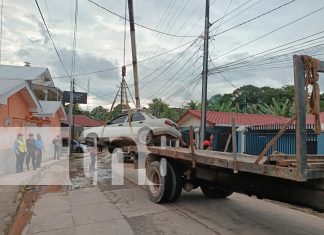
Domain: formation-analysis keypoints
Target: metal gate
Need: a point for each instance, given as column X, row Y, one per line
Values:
column 257, row 138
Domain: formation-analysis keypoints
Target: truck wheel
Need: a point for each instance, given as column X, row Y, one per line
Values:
column 145, row 136
column 158, row 186
column 176, row 182
column 214, row 191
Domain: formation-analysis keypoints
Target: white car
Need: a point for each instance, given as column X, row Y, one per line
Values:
column 78, row 147
column 140, row 126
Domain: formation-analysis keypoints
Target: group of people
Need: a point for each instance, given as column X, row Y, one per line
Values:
column 32, row 151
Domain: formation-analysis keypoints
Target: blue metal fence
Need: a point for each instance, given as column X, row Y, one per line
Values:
column 257, row 138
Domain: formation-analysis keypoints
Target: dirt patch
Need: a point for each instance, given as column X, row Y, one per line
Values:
column 25, row 211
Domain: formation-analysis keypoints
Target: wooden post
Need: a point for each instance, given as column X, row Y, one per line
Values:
column 300, row 112
column 234, row 146
column 228, row 142
column 192, row 147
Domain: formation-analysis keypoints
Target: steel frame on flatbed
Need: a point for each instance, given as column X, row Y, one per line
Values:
column 302, row 173
column 247, row 163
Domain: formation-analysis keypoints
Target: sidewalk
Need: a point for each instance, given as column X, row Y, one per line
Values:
column 85, row 211
column 9, row 203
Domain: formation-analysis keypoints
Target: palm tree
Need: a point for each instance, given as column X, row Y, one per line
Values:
column 193, row 105
column 277, row 108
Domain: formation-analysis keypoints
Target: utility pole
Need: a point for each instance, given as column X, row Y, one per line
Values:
column 71, row 128
column 134, row 55
column 204, row 79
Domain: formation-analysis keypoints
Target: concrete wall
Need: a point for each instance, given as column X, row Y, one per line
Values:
column 17, row 109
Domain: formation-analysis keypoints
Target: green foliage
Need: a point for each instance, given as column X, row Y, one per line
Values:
column 160, row 109
column 77, row 110
column 219, row 106
column 99, row 113
column 277, row 108
column 192, row 105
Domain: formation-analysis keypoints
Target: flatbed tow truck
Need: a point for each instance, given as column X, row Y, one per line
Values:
column 296, row 179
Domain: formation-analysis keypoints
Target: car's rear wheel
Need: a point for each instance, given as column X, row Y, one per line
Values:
column 79, row 150
column 145, row 136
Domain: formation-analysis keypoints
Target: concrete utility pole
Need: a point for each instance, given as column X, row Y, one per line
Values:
column 204, row 79
column 71, row 129
column 134, row 55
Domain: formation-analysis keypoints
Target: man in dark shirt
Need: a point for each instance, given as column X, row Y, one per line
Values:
column 31, row 151
column 57, row 147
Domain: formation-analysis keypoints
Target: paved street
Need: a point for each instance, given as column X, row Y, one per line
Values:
column 126, row 209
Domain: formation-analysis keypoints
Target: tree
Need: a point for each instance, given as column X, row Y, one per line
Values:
column 246, row 95
column 277, row 108
column 226, row 106
column 99, row 113
column 192, row 105
column 77, row 110
column 157, row 107
column 117, row 110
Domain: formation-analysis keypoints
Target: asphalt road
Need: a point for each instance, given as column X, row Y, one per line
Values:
column 195, row 214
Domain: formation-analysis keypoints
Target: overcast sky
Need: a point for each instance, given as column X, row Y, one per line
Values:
column 170, row 76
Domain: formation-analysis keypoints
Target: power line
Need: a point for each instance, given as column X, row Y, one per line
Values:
column 1, row 30
column 225, row 14
column 254, row 18
column 273, row 31
column 140, row 25
column 50, row 36
column 140, row 61
column 271, row 49
column 172, row 63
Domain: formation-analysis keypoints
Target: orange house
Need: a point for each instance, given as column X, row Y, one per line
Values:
column 21, row 91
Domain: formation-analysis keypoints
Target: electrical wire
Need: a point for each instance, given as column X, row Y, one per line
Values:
column 1, row 30
column 50, row 36
column 254, row 18
column 140, row 25
column 271, row 32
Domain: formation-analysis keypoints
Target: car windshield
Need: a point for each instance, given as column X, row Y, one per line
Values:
column 137, row 117
column 150, row 115
column 117, row 120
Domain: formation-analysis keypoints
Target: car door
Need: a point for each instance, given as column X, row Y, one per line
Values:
column 114, row 128
column 138, row 121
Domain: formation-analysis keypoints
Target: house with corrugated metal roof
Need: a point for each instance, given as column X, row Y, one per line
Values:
column 254, row 131
column 81, row 122
column 220, row 125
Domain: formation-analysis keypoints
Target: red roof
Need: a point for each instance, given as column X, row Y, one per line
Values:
column 310, row 119
column 225, row 118
column 85, row 121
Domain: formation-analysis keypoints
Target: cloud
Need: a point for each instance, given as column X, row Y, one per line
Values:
column 100, row 43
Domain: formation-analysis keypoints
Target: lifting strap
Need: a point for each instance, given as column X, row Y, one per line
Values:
column 311, row 66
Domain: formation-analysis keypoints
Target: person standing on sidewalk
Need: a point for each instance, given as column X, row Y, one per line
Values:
column 39, row 150
column 57, row 147
column 20, row 152
column 31, row 151
column 93, row 158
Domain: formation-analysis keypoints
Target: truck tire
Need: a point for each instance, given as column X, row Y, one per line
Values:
column 158, row 186
column 211, row 190
column 176, row 182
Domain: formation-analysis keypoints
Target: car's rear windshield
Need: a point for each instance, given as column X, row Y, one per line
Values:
column 150, row 115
